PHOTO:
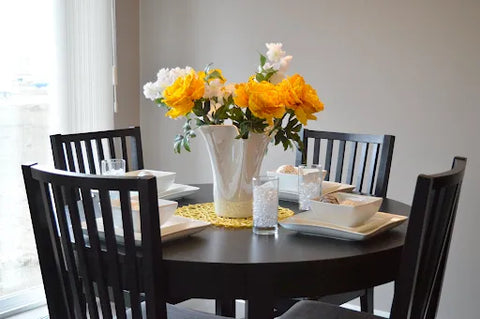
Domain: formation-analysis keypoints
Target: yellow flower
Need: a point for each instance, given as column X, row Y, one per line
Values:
column 300, row 97
column 181, row 95
column 262, row 98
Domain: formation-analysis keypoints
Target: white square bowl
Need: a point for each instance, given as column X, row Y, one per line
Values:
column 166, row 209
column 164, row 179
column 362, row 209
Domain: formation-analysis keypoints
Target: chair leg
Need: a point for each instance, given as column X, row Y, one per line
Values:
column 366, row 301
column 225, row 307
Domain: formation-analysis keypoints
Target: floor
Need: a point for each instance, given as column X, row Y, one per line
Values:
column 197, row 304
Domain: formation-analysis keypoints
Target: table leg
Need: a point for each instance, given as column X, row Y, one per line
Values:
column 366, row 301
column 225, row 307
column 261, row 308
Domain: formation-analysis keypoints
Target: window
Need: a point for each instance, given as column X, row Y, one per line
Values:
column 56, row 77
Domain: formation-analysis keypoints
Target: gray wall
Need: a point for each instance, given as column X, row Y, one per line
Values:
column 407, row 68
column 128, row 63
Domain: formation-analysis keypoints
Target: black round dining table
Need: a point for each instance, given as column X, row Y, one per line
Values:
column 227, row 264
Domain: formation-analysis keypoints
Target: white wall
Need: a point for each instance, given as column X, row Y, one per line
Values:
column 407, row 68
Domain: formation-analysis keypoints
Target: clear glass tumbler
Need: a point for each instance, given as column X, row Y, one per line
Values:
column 113, row 166
column 309, row 185
column 265, row 205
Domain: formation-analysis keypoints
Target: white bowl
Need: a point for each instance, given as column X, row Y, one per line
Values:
column 164, row 179
column 166, row 209
column 289, row 182
column 362, row 208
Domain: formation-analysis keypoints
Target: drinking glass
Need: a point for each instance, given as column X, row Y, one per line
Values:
column 309, row 185
column 265, row 205
column 113, row 166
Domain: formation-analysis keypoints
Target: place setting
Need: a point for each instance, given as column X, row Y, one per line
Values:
column 332, row 212
column 172, row 226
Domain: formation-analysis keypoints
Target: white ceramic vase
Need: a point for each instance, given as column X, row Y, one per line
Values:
column 234, row 163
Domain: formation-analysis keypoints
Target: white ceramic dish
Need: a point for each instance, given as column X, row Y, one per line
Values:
column 177, row 191
column 166, row 209
column 164, row 179
column 379, row 223
column 327, row 188
column 357, row 212
column 176, row 227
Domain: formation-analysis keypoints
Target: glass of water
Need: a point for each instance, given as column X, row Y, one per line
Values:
column 265, row 205
column 309, row 185
column 113, row 166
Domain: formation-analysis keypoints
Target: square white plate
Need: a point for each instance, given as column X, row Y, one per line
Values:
column 379, row 223
column 175, row 227
column 327, row 188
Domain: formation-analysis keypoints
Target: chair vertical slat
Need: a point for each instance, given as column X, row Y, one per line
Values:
column 78, row 151
column 361, row 165
column 96, row 252
column 72, row 271
column 328, row 157
column 316, row 151
column 111, row 145
column 71, row 160
column 125, row 153
column 58, row 152
column 71, row 196
column 91, row 161
column 130, row 252
column 340, row 159
column 59, row 298
column 351, row 163
column 372, row 167
column 101, row 154
column 137, row 157
column 112, row 253
column 384, row 166
column 151, row 243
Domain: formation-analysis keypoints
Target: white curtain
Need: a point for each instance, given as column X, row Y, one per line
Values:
column 84, row 52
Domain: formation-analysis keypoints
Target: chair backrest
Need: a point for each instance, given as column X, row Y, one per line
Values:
column 83, row 152
column 81, row 250
column 419, row 283
column 363, row 160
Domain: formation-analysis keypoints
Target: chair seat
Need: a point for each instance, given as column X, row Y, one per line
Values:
column 177, row 312
column 309, row 309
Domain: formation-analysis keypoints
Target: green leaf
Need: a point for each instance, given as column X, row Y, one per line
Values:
column 186, row 144
column 259, row 77
column 263, row 59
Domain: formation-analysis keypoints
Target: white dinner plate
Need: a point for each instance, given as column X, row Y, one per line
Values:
column 177, row 191
column 379, row 223
column 175, row 227
column 327, row 188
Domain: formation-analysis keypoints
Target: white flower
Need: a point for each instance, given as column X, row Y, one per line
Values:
column 228, row 90
column 166, row 77
column 275, row 52
column 152, row 91
column 213, row 89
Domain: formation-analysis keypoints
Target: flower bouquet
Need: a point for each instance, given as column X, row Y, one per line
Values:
column 270, row 102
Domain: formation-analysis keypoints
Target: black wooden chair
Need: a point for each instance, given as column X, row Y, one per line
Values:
column 419, row 282
column 80, row 260
column 360, row 159
column 363, row 160
column 83, row 152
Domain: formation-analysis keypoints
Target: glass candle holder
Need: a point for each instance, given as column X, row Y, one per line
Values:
column 113, row 166
column 265, row 205
column 309, row 185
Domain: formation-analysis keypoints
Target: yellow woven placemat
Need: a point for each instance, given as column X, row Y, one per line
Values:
column 206, row 212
